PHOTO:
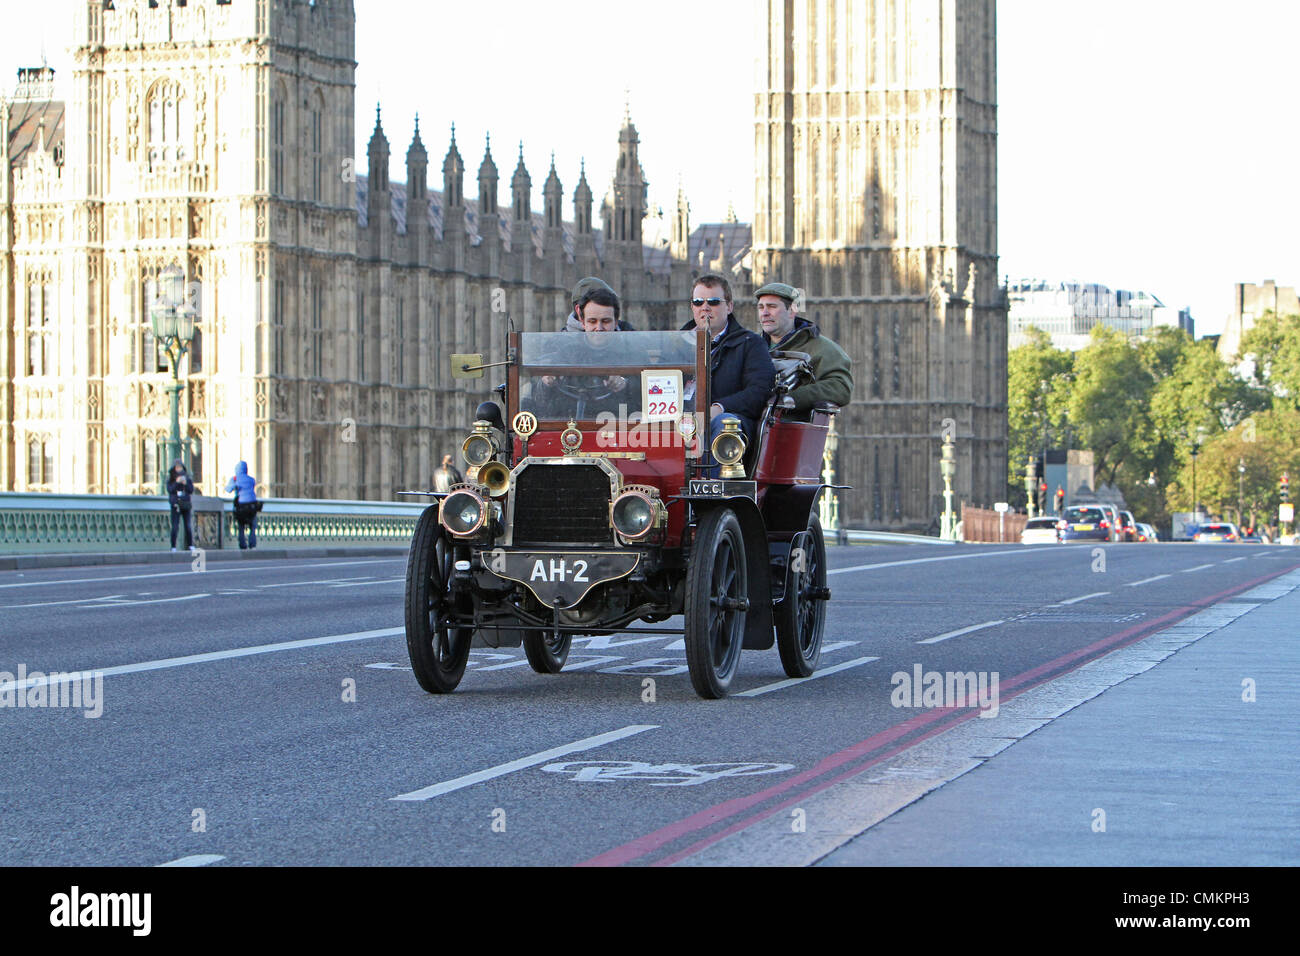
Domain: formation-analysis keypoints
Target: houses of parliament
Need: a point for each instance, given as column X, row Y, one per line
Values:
column 215, row 137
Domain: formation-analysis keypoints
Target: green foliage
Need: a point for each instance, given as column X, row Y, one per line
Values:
column 1273, row 346
column 1142, row 406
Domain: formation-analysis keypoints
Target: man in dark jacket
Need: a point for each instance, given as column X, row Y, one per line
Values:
column 784, row 330
column 741, row 373
column 180, row 494
column 587, row 396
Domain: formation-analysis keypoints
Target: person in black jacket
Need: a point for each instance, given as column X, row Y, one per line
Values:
column 741, row 373
column 180, row 493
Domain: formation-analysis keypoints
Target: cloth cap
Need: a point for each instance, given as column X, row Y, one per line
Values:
column 777, row 288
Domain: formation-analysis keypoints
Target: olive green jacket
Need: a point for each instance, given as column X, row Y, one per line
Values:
column 831, row 365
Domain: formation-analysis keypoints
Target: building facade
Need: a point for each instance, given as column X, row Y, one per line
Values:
column 876, row 148
column 1068, row 312
column 1250, row 302
column 216, row 137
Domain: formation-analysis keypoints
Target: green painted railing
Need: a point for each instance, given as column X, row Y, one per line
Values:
column 51, row 523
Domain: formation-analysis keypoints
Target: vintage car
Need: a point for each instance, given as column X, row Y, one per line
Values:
column 594, row 508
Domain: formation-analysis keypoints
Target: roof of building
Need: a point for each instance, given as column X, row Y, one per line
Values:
column 28, row 121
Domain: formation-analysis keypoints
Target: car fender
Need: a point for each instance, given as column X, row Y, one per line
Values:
column 759, row 633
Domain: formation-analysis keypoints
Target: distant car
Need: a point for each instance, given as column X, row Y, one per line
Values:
column 1217, row 531
column 1147, row 533
column 1087, row 523
column 1040, row 531
column 1251, row 539
column 1128, row 526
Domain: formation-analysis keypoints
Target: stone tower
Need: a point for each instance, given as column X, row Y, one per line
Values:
column 876, row 149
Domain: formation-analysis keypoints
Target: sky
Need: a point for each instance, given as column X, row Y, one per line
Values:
column 1143, row 144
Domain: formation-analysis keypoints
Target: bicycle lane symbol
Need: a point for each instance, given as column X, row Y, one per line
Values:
column 661, row 775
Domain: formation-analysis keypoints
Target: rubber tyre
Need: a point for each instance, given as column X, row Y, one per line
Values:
column 714, row 634
column 800, row 620
column 438, row 652
column 545, row 655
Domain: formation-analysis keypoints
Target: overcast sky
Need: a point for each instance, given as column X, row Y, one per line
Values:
column 1143, row 144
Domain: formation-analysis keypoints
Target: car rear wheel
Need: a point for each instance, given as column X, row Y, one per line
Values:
column 438, row 651
column 546, row 653
column 801, row 615
column 716, row 603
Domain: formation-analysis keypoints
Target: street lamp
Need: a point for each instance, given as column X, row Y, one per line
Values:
column 1196, row 450
column 1241, row 477
column 830, row 504
column 948, row 469
column 173, row 326
column 1031, row 485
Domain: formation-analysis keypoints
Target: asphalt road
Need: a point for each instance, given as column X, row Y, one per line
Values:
column 264, row 713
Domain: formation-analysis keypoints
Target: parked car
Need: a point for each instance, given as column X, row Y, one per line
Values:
column 1217, row 531
column 1087, row 523
column 1040, row 531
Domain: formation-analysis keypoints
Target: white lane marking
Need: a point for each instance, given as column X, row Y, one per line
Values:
column 183, row 597
column 201, row 859
column 469, row 779
column 1230, row 560
column 106, row 597
column 1133, row 584
column 298, row 584
column 1199, row 567
column 177, row 574
column 365, row 584
column 1083, row 598
column 792, row 681
column 167, row 662
column 960, row 631
column 951, row 557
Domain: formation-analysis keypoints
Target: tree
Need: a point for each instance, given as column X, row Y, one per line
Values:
column 1109, row 399
column 1029, row 403
column 1272, row 346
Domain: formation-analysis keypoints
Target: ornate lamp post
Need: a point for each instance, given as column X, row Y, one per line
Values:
column 830, row 504
column 1196, row 450
column 173, row 326
column 948, row 469
column 1031, row 485
column 1241, row 497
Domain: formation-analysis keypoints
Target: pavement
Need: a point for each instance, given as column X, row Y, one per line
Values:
column 23, row 562
column 1189, row 762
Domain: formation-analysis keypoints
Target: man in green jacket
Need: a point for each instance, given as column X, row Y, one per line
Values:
column 784, row 330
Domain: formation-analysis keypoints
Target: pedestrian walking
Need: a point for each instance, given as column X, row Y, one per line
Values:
column 180, row 495
column 246, row 504
column 446, row 475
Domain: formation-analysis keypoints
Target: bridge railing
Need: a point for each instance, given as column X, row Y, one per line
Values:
column 51, row 523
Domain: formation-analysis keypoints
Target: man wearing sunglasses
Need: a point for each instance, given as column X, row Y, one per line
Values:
column 741, row 373
column 784, row 330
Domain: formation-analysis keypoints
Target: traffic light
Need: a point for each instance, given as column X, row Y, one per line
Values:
column 1284, row 488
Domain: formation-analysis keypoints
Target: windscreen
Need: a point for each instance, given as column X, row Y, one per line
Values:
column 586, row 375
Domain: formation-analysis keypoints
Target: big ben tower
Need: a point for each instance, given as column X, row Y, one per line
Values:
column 876, row 154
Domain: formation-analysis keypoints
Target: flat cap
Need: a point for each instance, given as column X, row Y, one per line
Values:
column 786, row 292
column 586, row 285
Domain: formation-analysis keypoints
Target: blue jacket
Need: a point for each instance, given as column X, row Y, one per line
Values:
column 243, row 483
column 741, row 373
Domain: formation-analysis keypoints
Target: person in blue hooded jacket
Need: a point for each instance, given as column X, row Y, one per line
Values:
column 246, row 504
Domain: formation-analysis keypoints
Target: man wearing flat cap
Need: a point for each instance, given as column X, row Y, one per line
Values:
column 582, row 294
column 784, row 330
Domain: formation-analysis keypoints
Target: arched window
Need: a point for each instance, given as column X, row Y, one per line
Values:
column 316, row 146
column 171, row 124
column 277, row 139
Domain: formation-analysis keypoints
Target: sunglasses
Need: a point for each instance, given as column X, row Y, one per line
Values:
column 698, row 302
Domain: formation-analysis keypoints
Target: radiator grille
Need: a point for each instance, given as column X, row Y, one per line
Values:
column 561, row 504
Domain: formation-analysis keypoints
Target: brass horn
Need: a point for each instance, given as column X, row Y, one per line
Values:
column 495, row 477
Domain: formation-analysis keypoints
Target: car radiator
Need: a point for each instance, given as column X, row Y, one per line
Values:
column 561, row 505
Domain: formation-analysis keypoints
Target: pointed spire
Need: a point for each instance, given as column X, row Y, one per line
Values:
column 553, row 194
column 453, row 174
column 487, row 186
column 378, row 155
column 582, row 202
column 521, row 188
column 417, row 166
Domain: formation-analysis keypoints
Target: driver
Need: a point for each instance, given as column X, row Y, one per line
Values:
column 585, row 397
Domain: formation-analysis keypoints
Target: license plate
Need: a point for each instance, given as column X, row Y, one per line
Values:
column 720, row 488
column 1083, row 527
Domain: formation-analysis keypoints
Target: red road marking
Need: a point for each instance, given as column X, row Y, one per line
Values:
column 645, row 845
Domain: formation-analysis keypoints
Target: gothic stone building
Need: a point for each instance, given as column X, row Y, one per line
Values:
column 876, row 152
column 217, row 137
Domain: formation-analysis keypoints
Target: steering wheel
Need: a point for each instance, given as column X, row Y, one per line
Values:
column 590, row 388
